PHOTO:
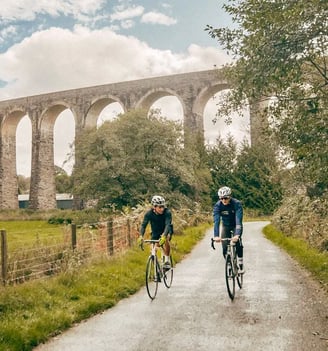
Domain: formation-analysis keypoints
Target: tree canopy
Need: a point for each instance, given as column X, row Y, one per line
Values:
column 251, row 173
column 280, row 50
column 131, row 158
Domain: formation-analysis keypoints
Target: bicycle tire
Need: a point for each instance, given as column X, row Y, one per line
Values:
column 168, row 275
column 152, row 277
column 230, row 277
column 240, row 280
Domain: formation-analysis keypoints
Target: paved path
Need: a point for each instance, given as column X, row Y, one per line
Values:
column 279, row 308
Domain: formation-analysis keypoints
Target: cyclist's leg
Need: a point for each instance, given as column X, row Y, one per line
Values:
column 167, row 246
column 167, row 252
column 225, row 233
column 240, row 248
column 240, row 254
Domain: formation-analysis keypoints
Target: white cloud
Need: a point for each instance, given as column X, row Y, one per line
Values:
column 29, row 9
column 127, row 13
column 158, row 18
column 57, row 59
column 7, row 31
column 126, row 24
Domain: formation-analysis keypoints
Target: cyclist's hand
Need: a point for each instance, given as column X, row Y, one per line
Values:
column 235, row 238
column 162, row 240
column 140, row 240
column 217, row 239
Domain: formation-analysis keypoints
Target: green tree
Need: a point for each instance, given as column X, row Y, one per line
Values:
column 257, row 181
column 63, row 181
column 129, row 159
column 221, row 160
column 251, row 172
column 280, row 51
column 23, row 184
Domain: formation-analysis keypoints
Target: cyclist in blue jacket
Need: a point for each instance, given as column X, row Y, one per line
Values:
column 229, row 213
column 160, row 219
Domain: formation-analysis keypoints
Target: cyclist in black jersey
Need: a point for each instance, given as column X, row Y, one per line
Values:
column 160, row 219
column 228, row 221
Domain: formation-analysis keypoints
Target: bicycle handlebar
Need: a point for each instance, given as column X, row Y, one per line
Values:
column 224, row 239
column 147, row 241
column 212, row 244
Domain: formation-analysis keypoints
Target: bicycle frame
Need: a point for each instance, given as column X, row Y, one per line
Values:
column 231, row 267
column 154, row 269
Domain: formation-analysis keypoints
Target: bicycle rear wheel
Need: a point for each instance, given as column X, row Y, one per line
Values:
column 168, row 275
column 152, row 277
column 230, row 278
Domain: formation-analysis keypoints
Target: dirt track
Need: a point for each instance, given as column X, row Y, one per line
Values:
column 279, row 308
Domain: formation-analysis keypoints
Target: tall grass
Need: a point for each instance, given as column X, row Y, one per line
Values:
column 314, row 261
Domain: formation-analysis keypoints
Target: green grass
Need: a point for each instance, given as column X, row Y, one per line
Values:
column 33, row 312
column 314, row 261
column 26, row 233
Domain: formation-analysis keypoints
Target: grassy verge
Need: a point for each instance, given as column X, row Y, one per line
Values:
column 312, row 260
column 33, row 312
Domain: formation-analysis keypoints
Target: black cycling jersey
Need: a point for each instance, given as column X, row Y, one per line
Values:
column 159, row 223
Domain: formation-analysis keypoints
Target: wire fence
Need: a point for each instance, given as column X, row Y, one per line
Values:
column 48, row 255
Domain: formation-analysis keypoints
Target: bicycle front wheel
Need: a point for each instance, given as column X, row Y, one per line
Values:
column 230, row 278
column 168, row 275
column 240, row 280
column 152, row 277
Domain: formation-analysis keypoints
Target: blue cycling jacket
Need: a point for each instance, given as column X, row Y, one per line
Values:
column 231, row 215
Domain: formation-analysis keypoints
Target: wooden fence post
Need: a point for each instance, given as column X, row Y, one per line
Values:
column 4, row 255
column 110, row 237
column 129, row 232
column 73, row 230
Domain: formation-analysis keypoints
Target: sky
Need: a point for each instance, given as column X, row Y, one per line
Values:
column 54, row 45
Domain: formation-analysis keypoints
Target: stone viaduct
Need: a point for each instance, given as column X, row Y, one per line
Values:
column 193, row 90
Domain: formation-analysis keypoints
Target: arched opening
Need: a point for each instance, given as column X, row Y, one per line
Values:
column 170, row 108
column 64, row 136
column 239, row 127
column 23, row 157
column 109, row 112
column 24, row 147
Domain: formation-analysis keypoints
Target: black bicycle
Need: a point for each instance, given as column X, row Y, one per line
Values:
column 155, row 271
column 231, row 268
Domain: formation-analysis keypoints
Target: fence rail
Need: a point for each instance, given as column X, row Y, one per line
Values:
column 78, row 245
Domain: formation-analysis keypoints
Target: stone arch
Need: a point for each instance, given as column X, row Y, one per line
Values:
column 50, row 114
column 152, row 95
column 205, row 94
column 43, row 188
column 9, row 186
column 97, row 106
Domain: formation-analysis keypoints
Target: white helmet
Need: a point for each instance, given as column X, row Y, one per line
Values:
column 158, row 200
column 224, row 191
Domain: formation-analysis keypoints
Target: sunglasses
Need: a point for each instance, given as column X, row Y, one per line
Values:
column 160, row 206
column 225, row 198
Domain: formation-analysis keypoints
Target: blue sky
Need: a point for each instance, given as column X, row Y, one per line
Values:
column 53, row 45
column 167, row 25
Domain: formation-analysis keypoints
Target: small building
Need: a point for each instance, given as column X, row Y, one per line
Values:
column 64, row 201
